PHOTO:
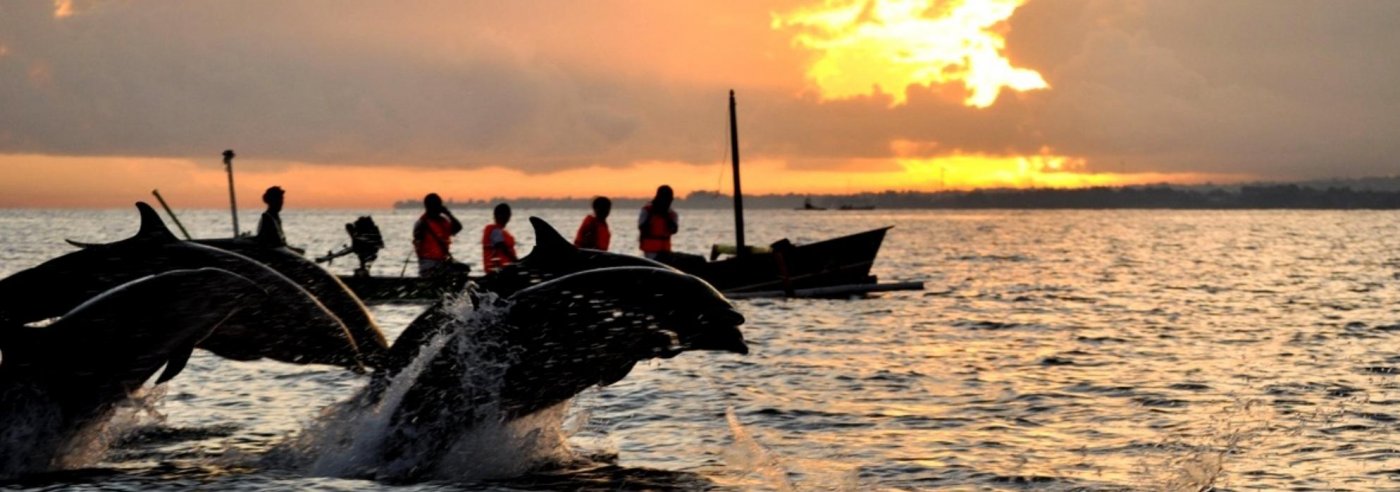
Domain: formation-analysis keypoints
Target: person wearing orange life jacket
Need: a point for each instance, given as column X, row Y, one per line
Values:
column 432, row 237
column 594, row 233
column 497, row 245
column 658, row 223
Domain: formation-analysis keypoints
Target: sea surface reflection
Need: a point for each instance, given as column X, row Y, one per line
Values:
column 1097, row 350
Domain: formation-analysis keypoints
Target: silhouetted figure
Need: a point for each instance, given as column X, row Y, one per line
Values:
column 658, row 223
column 432, row 238
column 270, row 224
column 365, row 243
column 594, row 233
column 497, row 245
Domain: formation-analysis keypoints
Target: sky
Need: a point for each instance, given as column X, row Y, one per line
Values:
column 360, row 102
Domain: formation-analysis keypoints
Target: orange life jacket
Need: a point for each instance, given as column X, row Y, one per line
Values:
column 655, row 235
column 436, row 240
column 493, row 259
column 593, row 234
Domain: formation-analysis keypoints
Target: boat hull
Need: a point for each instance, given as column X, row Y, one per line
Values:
column 844, row 260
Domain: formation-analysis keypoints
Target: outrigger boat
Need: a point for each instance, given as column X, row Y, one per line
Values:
column 837, row 267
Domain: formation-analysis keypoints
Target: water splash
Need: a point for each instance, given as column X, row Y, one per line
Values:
column 35, row 437
column 349, row 439
column 747, row 454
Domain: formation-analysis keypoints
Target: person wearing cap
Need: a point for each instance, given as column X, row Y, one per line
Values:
column 270, row 224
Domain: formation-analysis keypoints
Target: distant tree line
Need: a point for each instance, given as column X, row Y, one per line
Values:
column 1268, row 196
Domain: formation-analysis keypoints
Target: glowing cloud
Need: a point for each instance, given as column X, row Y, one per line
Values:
column 868, row 46
column 62, row 9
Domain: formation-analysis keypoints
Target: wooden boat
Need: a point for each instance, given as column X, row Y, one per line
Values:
column 785, row 267
column 837, row 267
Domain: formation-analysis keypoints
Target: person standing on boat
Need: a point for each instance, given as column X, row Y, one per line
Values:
column 432, row 237
column 593, row 233
column 270, row 224
column 497, row 245
column 658, row 223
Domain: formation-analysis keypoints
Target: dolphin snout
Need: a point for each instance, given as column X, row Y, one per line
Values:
column 719, row 330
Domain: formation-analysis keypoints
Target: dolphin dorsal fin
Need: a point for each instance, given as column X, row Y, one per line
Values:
column 548, row 242
column 152, row 228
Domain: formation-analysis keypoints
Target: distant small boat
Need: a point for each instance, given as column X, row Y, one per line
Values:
column 807, row 205
column 855, row 207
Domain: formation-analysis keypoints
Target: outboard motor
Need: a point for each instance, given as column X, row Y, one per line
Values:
column 365, row 242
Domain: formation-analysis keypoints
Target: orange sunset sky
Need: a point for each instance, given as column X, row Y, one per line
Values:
column 361, row 103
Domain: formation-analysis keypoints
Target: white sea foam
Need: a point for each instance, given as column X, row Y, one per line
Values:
column 348, row 439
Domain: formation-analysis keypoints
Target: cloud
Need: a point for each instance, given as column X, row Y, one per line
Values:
column 1269, row 87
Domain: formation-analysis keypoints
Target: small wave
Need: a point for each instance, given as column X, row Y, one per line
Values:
column 985, row 325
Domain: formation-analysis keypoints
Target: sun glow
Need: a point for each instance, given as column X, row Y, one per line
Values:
column 884, row 46
column 1045, row 169
column 62, row 9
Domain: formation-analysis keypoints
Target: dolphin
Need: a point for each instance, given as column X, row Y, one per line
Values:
column 297, row 328
column 549, row 342
column 552, row 257
column 59, row 381
column 326, row 287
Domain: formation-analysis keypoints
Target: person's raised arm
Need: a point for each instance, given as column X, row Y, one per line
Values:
column 456, row 224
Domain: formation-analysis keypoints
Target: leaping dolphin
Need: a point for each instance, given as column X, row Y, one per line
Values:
column 552, row 341
column 552, row 257
column 59, row 381
column 320, row 283
column 298, row 328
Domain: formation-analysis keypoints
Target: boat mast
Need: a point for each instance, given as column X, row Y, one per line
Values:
column 232, row 200
column 738, row 193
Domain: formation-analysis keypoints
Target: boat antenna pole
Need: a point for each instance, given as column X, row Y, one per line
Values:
column 738, row 193
column 232, row 199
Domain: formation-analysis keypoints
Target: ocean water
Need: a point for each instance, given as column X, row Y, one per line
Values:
column 1051, row 350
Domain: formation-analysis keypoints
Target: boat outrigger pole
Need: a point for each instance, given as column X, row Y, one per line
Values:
column 232, row 199
column 171, row 213
column 738, row 193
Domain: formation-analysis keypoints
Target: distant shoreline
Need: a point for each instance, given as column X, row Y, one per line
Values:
column 1249, row 197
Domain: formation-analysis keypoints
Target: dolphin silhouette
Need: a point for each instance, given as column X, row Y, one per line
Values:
column 551, row 341
column 298, row 328
column 328, row 289
column 552, row 257
column 58, row 381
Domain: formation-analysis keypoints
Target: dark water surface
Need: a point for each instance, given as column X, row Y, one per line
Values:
column 1104, row 350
